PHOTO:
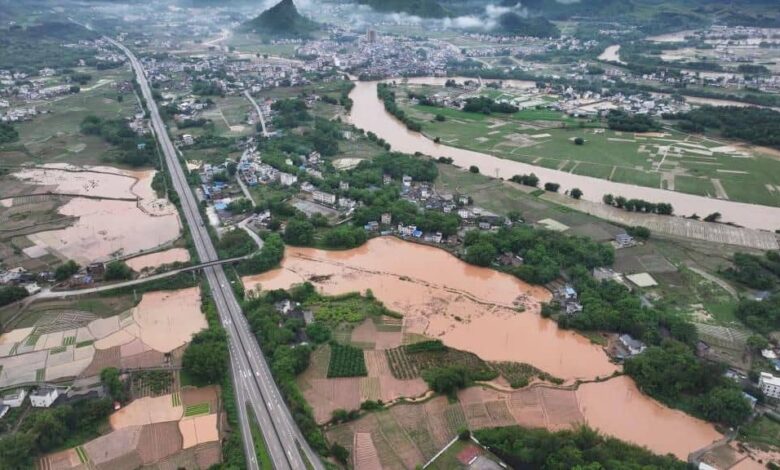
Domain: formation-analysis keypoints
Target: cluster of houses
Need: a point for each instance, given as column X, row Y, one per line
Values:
column 380, row 55
column 21, row 277
column 41, row 397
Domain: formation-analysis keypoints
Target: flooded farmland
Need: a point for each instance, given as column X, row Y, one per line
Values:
column 117, row 211
column 467, row 307
column 475, row 309
column 368, row 113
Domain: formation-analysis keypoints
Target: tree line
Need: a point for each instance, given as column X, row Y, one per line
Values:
column 638, row 205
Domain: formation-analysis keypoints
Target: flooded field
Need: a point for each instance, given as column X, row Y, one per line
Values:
column 467, row 307
column 160, row 258
column 368, row 114
column 616, row 407
column 119, row 212
column 69, row 343
column 473, row 309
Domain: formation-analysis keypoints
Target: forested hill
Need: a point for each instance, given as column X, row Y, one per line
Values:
column 282, row 20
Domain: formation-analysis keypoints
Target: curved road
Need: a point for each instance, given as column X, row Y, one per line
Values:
column 254, row 386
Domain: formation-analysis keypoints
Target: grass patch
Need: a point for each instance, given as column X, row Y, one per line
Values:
column 261, row 451
column 197, row 409
column 176, row 399
column 82, row 344
column 40, row 374
column 57, row 350
column 68, row 340
column 347, row 308
column 763, row 432
column 346, row 361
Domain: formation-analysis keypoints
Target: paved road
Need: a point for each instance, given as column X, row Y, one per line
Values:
column 255, row 388
column 52, row 294
column 259, row 112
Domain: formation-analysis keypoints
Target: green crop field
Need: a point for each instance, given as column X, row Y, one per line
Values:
column 197, row 409
column 83, row 458
column 346, row 361
column 543, row 137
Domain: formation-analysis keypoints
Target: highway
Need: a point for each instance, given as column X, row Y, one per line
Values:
column 255, row 388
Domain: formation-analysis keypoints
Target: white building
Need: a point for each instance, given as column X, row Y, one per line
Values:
column 287, row 179
column 44, row 397
column 769, row 384
column 324, row 198
column 15, row 399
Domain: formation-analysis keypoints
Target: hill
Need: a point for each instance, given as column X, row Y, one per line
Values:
column 421, row 8
column 282, row 20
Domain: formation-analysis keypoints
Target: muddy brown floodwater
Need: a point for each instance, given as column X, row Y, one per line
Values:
column 467, row 307
column 474, row 309
column 618, row 408
column 104, row 227
column 368, row 113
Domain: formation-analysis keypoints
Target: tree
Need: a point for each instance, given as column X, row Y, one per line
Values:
column 318, row 332
column 66, row 270
column 117, row 270
column 299, row 232
column 608, row 199
column 339, row 453
column 110, row 379
column 205, row 359
column 474, row 169
column 10, row 294
column 481, row 254
column 576, row 193
column 552, row 187
column 579, row 141
column 757, row 342
column 17, row 450
column 440, row 118
column 446, row 380
column 714, row 217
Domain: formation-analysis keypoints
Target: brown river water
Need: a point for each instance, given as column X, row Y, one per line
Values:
column 475, row 309
column 368, row 113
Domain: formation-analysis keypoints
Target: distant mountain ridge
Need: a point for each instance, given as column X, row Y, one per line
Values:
column 282, row 20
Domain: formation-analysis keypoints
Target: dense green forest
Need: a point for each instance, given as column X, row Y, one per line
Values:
column 582, row 448
column 545, row 253
column 29, row 49
column 672, row 374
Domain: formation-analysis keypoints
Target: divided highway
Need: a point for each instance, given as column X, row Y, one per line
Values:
column 255, row 388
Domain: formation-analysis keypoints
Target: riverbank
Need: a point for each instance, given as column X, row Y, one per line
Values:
column 368, row 113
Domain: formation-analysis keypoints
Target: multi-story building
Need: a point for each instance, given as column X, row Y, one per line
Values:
column 769, row 385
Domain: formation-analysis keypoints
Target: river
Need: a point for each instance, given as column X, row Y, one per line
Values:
column 475, row 309
column 368, row 113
